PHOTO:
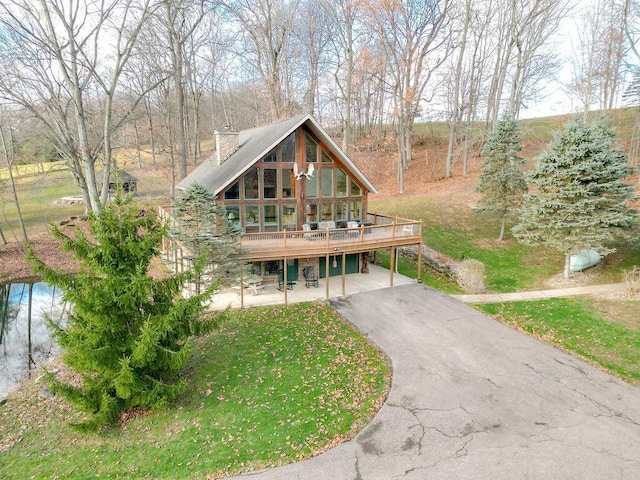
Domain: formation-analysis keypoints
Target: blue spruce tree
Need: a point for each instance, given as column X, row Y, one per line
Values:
column 578, row 200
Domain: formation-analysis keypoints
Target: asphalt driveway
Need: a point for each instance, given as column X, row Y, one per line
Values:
column 475, row 399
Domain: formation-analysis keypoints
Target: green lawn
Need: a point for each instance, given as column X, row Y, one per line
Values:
column 460, row 232
column 584, row 327
column 36, row 195
column 31, row 169
column 274, row 385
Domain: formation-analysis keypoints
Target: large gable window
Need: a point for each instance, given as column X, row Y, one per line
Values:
column 270, row 183
column 311, row 149
column 270, row 218
column 327, row 182
column 289, row 216
column 233, row 192
column 233, row 214
column 341, row 183
column 252, row 218
column 355, row 212
column 271, row 157
column 288, row 183
column 356, row 191
column 312, row 187
column 251, row 190
column 268, row 198
column 288, row 149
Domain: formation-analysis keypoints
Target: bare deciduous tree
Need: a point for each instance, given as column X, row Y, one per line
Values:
column 266, row 28
column 7, row 147
column 181, row 19
column 523, row 53
column 314, row 31
column 345, row 16
column 599, row 55
column 62, row 62
column 414, row 35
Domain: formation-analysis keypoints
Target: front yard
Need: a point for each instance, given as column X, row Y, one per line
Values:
column 273, row 385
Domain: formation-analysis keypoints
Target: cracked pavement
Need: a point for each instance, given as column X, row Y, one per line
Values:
column 473, row 398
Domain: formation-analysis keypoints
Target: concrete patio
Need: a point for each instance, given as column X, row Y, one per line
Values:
column 376, row 279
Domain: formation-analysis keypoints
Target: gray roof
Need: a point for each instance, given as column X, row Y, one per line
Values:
column 253, row 145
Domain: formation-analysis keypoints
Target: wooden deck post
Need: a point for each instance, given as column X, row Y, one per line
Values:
column 286, row 285
column 326, row 277
column 420, row 253
column 392, row 265
column 241, row 289
column 344, row 272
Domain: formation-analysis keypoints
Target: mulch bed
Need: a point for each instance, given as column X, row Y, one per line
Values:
column 14, row 266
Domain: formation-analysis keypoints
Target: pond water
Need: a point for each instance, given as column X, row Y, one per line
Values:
column 25, row 338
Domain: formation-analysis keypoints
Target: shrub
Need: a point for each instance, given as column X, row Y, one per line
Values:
column 632, row 279
column 470, row 275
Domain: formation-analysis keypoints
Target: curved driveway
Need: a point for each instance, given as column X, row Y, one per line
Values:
column 474, row 399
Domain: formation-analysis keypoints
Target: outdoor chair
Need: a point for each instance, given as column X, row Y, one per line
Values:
column 352, row 229
column 307, row 235
column 281, row 282
column 310, row 277
column 407, row 229
column 328, row 224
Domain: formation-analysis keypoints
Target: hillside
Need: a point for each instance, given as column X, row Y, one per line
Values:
column 426, row 174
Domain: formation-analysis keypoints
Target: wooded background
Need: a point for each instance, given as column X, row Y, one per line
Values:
column 79, row 79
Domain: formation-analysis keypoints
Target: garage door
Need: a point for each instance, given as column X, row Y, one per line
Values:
column 335, row 265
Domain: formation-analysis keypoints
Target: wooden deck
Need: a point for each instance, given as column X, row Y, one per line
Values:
column 377, row 232
column 266, row 246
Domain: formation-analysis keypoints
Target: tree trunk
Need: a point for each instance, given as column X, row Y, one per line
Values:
column 8, row 156
column 137, row 139
column 152, row 143
column 567, row 265
column 177, row 64
column 346, row 138
column 108, row 158
column 181, row 131
column 455, row 114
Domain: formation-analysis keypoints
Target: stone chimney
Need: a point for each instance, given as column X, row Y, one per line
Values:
column 227, row 142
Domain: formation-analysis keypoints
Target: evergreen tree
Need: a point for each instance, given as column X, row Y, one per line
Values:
column 579, row 201
column 502, row 183
column 127, row 334
column 203, row 227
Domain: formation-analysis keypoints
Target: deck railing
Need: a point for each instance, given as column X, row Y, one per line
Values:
column 378, row 231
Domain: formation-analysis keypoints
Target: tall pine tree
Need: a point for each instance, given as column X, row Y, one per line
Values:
column 203, row 227
column 579, row 201
column 127, row 334
column 502, row 183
